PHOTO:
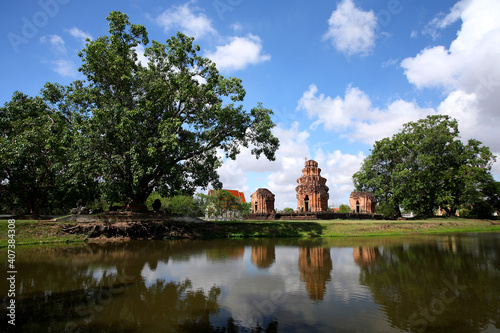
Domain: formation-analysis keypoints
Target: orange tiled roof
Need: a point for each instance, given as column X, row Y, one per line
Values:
column 235, row 193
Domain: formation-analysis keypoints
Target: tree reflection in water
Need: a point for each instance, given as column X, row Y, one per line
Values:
column 451, row 286
column 100, row 288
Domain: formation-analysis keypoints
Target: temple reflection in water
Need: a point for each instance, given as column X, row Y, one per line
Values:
column 315, row 265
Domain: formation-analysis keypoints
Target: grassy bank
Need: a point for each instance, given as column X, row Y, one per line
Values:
column 36, row 232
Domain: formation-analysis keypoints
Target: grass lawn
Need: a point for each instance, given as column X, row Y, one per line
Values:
column 39, row 232
column 349, row 228
column 36, row 232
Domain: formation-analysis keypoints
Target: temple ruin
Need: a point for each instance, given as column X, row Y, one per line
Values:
column 362, row 203
column 262, row 201
column 312, row 192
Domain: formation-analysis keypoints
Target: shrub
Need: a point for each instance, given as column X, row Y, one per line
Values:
column 343, row 209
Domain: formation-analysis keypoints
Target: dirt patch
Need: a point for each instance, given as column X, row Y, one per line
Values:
column 122, row 231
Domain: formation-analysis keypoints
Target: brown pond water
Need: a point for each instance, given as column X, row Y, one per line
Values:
column 396, row 284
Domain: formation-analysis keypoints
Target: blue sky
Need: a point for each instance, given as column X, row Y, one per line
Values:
column 338, row 75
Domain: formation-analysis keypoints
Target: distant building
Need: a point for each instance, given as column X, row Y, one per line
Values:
column 230, row 213
column 238, row 194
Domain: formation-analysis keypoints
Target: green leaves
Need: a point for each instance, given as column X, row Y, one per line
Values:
column 158, row 126
column 425, row 167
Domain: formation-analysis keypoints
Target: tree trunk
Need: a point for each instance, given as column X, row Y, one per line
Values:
column 34, row 205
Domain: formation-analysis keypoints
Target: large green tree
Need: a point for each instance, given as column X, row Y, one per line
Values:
column 158, row 126
column 426, row 166
column 36, row 141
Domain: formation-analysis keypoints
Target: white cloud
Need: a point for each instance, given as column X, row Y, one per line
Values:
column 80, row 34
column 57, row 45
column 236, row 27
column 282, row 174
column 141, row 58
column 390, row 63
column 65, row 68
column 467, row 71
column 333, row 112
column 189, row 20
column 472, row 56
column 239, row 53
column 355, row 116
column 443, row 21
column 352, row 30
column 425, row 69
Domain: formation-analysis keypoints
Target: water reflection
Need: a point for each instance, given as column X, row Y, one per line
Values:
column 315, row 266
column 452, row 286
column 263, row 256
column 416, row 284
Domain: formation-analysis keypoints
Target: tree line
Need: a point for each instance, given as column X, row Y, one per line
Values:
column 427, row 166
column 129, row 128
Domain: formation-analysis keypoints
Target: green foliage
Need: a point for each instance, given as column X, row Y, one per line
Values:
column 344, row 209
column 36, row 139
column 288, row 210
column 465, row 213
column 183, row 205
column 481, row 210
column 386, row 209
column 158, row 127
column 492, row 194
column 245, row 209
column 152, row 197
column 426, row 166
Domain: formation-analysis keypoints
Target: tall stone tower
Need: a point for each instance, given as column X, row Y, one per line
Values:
column 312, row 192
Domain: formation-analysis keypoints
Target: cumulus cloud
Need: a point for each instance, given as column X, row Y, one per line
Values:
column 352, row 30
column 467, row 70
column 238, row 53
column 354, row 115
column 65, row 68
column 442, row 21
column 189, row 20
column 80, row 34
column 61, row 65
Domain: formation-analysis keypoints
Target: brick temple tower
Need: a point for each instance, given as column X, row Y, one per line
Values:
column 362, row 203
column 262, row 201
column 312, row 192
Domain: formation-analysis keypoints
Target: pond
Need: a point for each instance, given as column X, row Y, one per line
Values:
column 430, row 283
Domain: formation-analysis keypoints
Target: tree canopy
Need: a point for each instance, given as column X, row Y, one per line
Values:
column 130, row 128
column 426, row 166
column 158, row 126
column 36, row 140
